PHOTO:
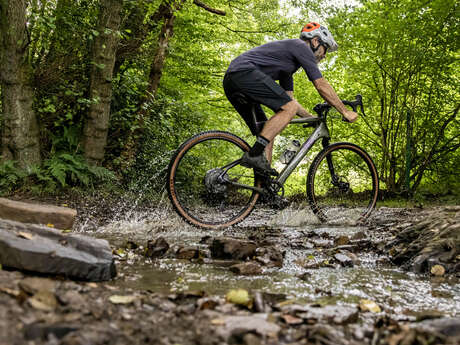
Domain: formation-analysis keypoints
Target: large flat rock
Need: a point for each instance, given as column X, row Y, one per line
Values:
column 45, row 250
column 60, row 217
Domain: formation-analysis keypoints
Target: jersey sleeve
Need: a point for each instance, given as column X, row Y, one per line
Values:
column 307, row 60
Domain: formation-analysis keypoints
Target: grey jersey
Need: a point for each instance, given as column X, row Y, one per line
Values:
column 280, row 60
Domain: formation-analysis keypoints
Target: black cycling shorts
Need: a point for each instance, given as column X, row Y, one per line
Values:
column 247, row 90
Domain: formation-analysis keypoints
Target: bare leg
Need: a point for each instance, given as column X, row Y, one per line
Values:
column 269, row 150
column 279, row 121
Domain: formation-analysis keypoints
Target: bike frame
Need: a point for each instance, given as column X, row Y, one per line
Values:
column 321, row 131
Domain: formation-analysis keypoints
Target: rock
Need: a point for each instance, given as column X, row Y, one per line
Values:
column 32, row 285
column 235, row 327
column 270, row 256
column 246, row 268
column 433, row 241
column 187, row 253
column 157, row 248
column 342, row 240
column 43, row 300
column 51, row 252
column 343, row 260
column 330, row 313
column 42, row 331
column 232, row 249
column 59, row 217
column 449, row 327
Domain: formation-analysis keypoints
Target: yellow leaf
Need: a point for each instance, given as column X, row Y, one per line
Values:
column 239, row 296
column 368, row 305
column 217, row 322
column 117, row 299
column 438, row 270
column 26, row 235
column 49, row 225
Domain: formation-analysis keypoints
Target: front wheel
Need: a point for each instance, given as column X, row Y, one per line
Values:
column 342, row 184
column 204, row 182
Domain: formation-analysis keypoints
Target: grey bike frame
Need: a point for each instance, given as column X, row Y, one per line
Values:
column 321, row 131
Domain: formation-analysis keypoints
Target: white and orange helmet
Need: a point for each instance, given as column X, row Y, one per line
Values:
column 313, row 29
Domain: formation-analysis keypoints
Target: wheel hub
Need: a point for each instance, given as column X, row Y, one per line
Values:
column 214, row 181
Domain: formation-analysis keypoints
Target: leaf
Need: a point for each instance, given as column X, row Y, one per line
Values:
column 292, row 320
column 239, row 296
column 218, row 322
column 117, row 299
column 368, row 305
column 26, row 235
column 438, row 270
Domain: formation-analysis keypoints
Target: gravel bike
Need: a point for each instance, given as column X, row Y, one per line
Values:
column 208, row 187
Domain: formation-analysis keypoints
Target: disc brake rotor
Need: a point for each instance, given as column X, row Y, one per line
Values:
column 214, row 181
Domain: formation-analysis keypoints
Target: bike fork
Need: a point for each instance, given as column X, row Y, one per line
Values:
column 330, row 165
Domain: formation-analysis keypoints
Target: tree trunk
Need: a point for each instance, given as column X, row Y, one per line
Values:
column 103, row 59
column 20, row 134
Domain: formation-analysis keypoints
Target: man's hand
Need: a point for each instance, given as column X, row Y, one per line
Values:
column 351, row 116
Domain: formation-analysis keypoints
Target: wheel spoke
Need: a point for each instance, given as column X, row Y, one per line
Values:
column 197, row 181
column 350, row 195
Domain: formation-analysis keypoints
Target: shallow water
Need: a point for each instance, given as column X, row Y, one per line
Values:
column 396, row 291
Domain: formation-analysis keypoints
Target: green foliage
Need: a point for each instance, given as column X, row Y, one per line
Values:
column 10, row 177
column 61, row 171
column 401, row 55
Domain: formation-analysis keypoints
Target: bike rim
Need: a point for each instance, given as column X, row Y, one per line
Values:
column 351, row 198
column 205, row 204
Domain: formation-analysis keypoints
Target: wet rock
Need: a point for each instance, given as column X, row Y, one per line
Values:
column 259, row 305
column 343, row 260
column 232, row 249
column 270, row 256
column 246, row 268
column 41, row 249
column 449, row 327
column 43, row 331
column 433, row 241
column 59, row 217
column 341, row 241
column 187, row 253
column 326, row 334
column 157, row 248
column 329, row 313
column 346, row 258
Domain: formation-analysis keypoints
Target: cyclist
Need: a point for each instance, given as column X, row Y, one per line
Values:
column 251, row 79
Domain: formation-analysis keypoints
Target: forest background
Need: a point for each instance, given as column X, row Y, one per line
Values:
column 99, row 93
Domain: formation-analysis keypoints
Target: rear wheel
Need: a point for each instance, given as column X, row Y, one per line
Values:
column 199, row 181
column 342, row 184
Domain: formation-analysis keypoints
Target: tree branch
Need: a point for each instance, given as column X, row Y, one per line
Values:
column 209, row 9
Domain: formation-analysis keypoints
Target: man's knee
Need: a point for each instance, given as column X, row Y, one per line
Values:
column 290, row 107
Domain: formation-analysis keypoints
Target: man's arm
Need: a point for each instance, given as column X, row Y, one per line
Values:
column 327, row 92
column 300, row 110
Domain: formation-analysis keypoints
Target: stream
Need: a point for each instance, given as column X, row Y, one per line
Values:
column 402, row 294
